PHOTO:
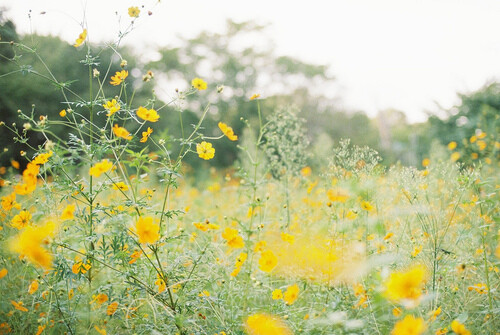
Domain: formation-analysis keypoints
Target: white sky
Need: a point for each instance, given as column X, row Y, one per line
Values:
column 403, row 54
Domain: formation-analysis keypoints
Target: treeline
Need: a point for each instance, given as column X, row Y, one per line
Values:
column 234, row 74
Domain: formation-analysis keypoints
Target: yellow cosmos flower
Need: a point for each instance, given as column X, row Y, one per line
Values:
column 459, row 328
column 147, row 230
column 67, row 213
column 134, row 11
column 112, row 107
column 255, row 96
column 119, row 77
column 99, row 168
column 452, row 145
column 146, row 134
column 406, row 286
column 162, row 286
column 33, row 287
column 42, row 158
column 242, row 257
column 263, row 324
column 3, row 272
column 100, row 330
column 147, row 114
column 101, row 298
column 9, row 201
column 409, row 326
column 121, row 132
column 21, row 220
column 228, row 131
column 268, row 261
column 205, row 226
column 205, row 150
column 19, row 306
column 291, row 294
column 199, row 84
column 81, row 38
column 233, row 239
column 455, row 156
column 29, row 244
column 120, row 186
column 80, row 267
column 366, row 206
column 277, row 294
column 337, row 195
column 112, row 307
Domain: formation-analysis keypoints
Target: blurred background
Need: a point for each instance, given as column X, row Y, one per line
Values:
column 397, row 76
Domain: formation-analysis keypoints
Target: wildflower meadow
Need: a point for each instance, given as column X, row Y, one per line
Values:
column 112, row 225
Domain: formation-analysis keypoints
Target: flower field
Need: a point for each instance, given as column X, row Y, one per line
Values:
column 109, row 231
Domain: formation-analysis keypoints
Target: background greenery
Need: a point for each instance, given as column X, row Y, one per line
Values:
column 240, row 71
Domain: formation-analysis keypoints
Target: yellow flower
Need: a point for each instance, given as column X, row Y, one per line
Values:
column 112, row 107
column 21, row 220
column 9, row 201
column 268, row 261
column 199, row 84
column 435, row 313
column 134, row 11
column 337, row 195
column 119, row 77
column 112, row 307
column 134, row 257
column 455, row 156
column 19, row 306
column 416, row 251
column 80, row 267
column 29, row 244
column 204, row 293
column 42, row 158
column 3, row 272
column 205, row 226
column 407, row 285
column 233, row 239
column 255, row 96
column 306, row 171
column 33, row 287
column 81, row 38
column 67, row 213
column 162, row 286
column 459, row 328
column 263, row 324
column 147, row 231
column 205, row 150
column 409, row 326
column 101, row 298
column 145, row 135
column 291, row 294
column 426, row 162
column 228, row 131
column 101, row 331
column 396, row 311
column 287, row 238
column 452, row 145
column 40, row 330
column 121, row 132
column 277, row 294
column 99, row 168
column 259, row 246
column 239, row 263
column 366, row 206
column 120, row 186
column 147, row 114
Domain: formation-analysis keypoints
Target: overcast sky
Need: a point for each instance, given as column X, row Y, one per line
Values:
column 403, row 54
